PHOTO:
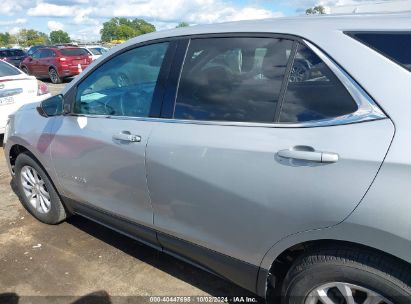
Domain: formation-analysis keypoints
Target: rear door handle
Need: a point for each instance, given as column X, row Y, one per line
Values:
column 127, row 136
column 308, row 154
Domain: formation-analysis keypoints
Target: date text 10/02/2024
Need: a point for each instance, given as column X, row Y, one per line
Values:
column 203, row 299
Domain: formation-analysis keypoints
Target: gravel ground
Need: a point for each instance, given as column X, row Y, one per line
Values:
column 79, row 261
column 78, row 257
column 56, row 88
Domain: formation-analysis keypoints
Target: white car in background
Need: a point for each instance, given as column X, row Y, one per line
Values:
column 95, row 51
column 17, row 89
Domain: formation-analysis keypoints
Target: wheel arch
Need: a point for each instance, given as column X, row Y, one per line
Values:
column 17, row 149
column 23, row 66
column 270, row 278
column 53, row 67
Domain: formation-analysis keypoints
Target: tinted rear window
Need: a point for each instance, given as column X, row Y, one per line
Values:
column 396, row 46
column 8, row 70
column 313, row 91
column 73, row 52
column 232, row 79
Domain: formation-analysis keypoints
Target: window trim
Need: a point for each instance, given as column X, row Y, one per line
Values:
column 173, row 79
column 284, row 85
column 367, row 110
column 159, row 90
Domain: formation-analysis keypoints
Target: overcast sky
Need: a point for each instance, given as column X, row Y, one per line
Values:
column 83, row 19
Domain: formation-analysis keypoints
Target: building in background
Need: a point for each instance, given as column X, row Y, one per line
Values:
column 372, row 7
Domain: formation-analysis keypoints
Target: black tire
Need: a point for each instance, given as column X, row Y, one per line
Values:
column 56, row 213
column 54, row 76
column 382, row 274
column 25, row 70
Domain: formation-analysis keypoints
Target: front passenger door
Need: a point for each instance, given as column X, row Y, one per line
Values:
column 99, row 150
column 44, row 62
column 34, row 63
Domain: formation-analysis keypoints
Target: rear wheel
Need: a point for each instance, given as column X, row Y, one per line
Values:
column 36, row 191
column 54, row 76
column 347, row 276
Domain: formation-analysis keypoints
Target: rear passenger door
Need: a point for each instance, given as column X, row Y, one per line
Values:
column 263, row 141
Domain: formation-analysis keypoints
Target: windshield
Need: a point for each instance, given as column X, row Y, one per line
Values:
column 95, row 51
column 4, row 54
column 17, row 52
column 8, row 70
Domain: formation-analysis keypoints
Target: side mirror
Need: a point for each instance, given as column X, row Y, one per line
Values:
column 29, row 58
column 52, row 106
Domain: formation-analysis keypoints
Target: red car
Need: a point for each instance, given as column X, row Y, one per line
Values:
column 56, row 63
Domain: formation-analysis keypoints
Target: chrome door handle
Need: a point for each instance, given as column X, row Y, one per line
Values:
column 328, row 157
column 127, row 136
column 308, row 154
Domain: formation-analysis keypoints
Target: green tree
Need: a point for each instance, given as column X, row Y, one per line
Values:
column 59, row 36
column 183, row 24
column 142, row 26
column 123, row 29
column 316, row 10
column 125, row 32
column 5, row 39
column 108, row 32
column 29, row 37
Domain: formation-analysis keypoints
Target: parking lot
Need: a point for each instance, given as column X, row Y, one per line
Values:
column 56, row 88
column 79, row 259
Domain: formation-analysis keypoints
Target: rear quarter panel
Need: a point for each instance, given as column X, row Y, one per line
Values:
column 382, row 220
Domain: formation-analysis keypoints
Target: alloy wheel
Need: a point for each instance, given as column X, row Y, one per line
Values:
column 298, row 73
column 53, row 76
column 344, row 293
column 35, row 189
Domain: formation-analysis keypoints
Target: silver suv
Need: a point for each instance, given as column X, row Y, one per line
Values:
column 274, row 153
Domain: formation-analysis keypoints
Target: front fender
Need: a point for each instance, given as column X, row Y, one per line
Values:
column 34, row 133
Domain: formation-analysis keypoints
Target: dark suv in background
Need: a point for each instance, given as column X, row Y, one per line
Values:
column 56, row 63
column 12, row 56
column 34, row 48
